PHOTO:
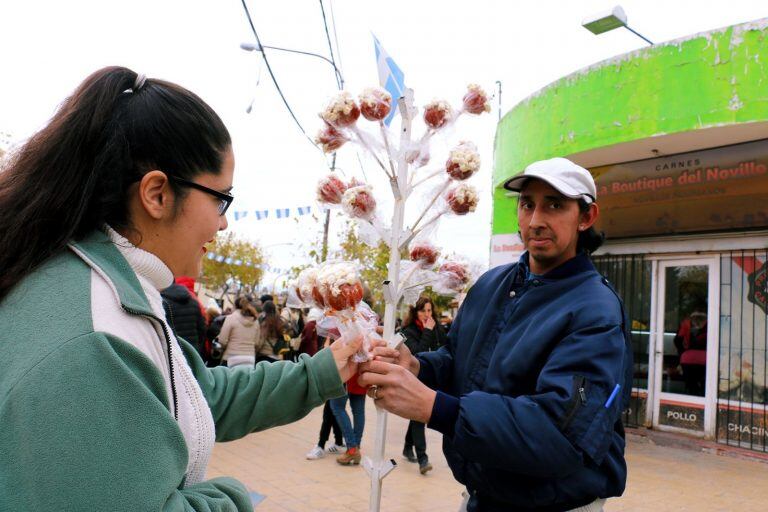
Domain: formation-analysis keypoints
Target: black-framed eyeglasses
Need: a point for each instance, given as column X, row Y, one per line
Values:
column 224, row 199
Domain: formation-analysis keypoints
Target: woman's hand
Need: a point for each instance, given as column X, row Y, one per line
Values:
column 343, row 350
column 429, row 323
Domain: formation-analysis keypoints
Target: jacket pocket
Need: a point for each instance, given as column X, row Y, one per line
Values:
column 578, row 401
column 588, row 424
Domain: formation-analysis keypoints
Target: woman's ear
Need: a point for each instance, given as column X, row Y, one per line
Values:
column 155, row 195
column 588, row 218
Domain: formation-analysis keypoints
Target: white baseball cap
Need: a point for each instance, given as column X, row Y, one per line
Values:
column 566, row 177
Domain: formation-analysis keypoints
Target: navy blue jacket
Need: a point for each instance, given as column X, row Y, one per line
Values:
column 523, row 384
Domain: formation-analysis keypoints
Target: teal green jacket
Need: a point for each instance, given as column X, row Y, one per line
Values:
column 85, row 420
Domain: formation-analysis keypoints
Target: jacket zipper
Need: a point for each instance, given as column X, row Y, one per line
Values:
column 170, row 357
column 579, row 399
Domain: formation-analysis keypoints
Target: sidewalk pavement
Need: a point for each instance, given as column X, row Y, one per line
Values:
column 272, row 463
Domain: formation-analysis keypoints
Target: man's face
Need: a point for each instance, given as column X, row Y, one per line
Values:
column 549, row 225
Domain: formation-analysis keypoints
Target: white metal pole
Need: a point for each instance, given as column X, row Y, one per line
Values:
column 378, row 467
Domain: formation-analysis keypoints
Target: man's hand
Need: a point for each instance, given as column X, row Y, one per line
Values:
column 400, row 356
column 397, row 390
column 343, row 350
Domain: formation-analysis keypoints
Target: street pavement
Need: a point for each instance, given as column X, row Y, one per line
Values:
column 272, row 464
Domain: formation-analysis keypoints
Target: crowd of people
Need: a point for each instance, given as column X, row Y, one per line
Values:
column 261, row 330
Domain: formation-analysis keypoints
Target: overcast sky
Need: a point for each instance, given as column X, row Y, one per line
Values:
column 50, row 46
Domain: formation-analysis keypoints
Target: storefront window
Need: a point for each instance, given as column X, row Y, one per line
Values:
column 631, row 276
column 742, row 418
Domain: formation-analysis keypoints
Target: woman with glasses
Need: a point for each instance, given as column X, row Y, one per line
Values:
column 102, row 408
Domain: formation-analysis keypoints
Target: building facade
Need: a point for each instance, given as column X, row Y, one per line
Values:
column 676, row 136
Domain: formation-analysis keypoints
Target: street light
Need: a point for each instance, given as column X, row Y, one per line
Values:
column 255, row 47
column 609, row 20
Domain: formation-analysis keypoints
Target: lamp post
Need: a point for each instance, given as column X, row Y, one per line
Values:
column 256, row 47
column 609, row 20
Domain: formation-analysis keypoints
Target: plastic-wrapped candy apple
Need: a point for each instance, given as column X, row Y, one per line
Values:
column 340, row 285
column 462, row 199
column 375, row 104
column 463, row 161
column 307, row 287
column 330, row 139
column 476, row 100
column 358, row 202
column 342, row 111
column 424, row 254
column 418, row 155
column 455, row 275
column 331, row 189
column 437, row 114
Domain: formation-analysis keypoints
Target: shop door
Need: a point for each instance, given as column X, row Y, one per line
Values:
column 685, row 345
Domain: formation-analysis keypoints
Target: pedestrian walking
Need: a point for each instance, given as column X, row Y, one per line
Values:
column 309, row 345
column 271, row 343
column 352, row 429
column 240, row 334
column 422, row 333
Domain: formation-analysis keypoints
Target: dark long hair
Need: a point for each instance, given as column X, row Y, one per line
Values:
column 246, row 308
column 590, row 240
column 73, row 176
column 419, row 306
column 272, row 324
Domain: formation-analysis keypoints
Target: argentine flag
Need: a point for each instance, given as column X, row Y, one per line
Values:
column 391, row 77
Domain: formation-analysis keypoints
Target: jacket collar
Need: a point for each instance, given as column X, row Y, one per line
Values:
column 576, row 265
column 98, row 252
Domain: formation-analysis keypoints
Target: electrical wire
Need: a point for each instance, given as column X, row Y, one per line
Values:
column 272, row 75
column 339, row 78
column 335, row 36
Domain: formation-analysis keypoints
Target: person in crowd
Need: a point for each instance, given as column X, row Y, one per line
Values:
column 310, row 341
column 271, row 341
column 213, row 350
column 445, row 322
column 240, row 334
column 309, row 345
column 422, row 333
column 182, row 311
column 293, row 326
column 102, row 406
column 351, row 429
column 529, row 388
column 691, row 343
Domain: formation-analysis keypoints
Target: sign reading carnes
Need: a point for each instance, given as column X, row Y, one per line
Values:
column 712, row 190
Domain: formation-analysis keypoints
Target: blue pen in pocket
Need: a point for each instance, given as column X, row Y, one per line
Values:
column 613, row 396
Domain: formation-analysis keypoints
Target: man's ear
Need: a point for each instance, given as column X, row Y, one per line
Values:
column 588, row 218
column 155, row 195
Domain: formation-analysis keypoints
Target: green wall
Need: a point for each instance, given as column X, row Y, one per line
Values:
column 711, row 79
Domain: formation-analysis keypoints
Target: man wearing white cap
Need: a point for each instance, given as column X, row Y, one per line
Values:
column 528, row 391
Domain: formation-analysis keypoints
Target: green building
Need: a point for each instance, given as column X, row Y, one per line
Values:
column 676, row 136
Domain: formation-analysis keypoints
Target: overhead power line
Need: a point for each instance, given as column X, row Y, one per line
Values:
column 272, row 74
column 339, row 78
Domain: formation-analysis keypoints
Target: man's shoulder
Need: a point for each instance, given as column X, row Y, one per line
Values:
column 595, row 297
